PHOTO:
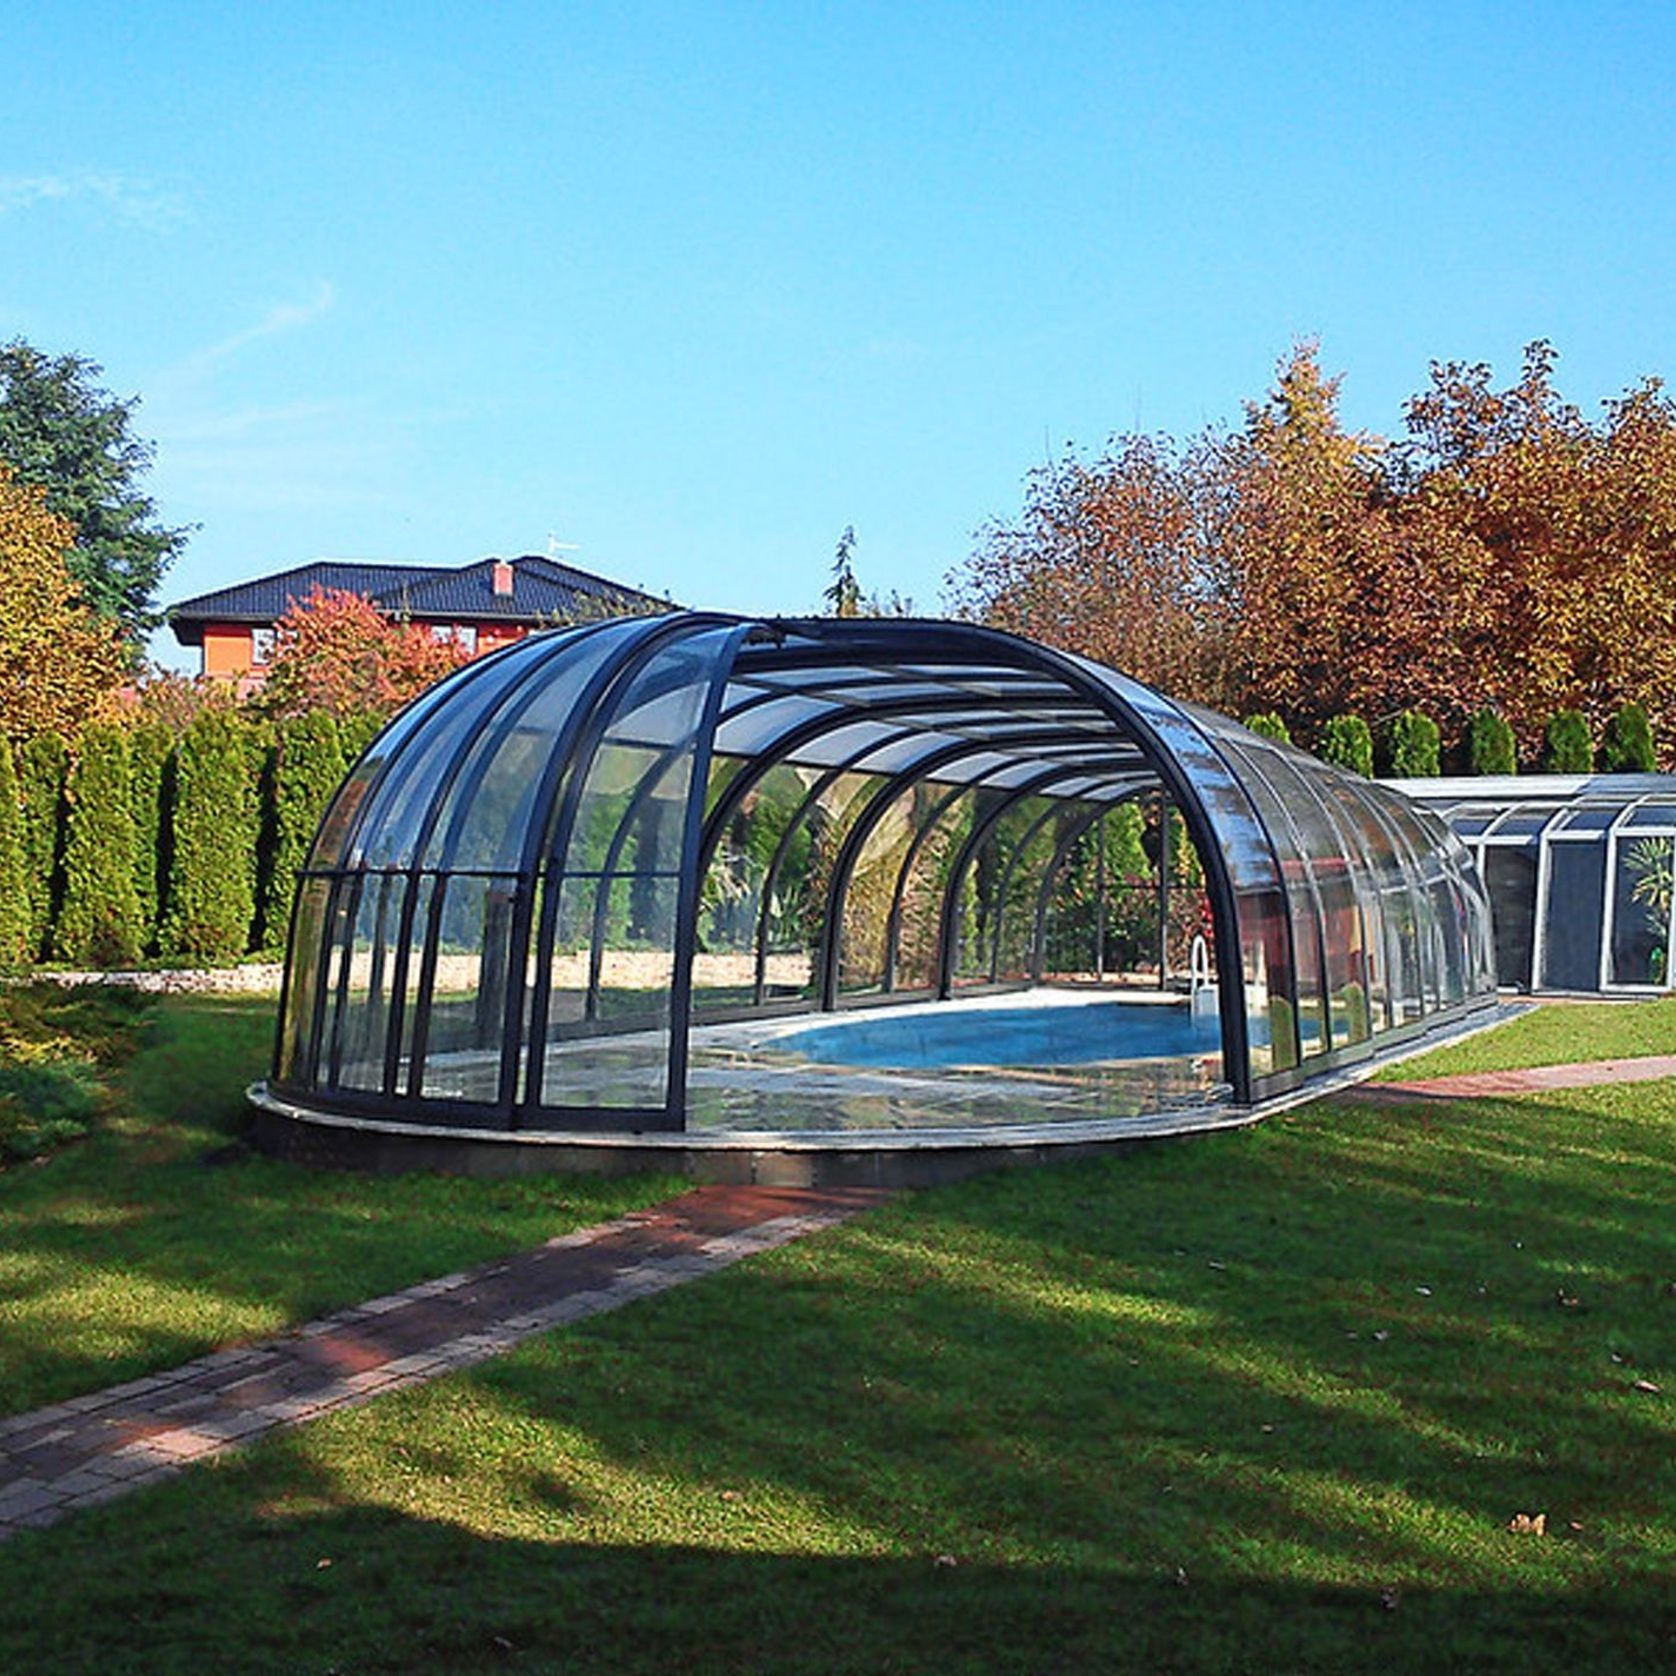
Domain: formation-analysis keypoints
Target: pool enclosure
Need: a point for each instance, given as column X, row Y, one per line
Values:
column 1578, row 869
column 562, row 877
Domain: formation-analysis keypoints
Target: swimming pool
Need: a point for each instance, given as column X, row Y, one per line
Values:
column 1011, row 1036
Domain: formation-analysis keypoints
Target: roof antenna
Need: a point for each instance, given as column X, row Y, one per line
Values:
column 556, row 547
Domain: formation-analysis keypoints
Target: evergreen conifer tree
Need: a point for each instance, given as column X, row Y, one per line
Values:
column 15, row 948
column 45, row 764
column 211, row 891
column 1347, row 742
column 99, row 923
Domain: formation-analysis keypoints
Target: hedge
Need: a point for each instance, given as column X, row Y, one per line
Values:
column 1412, row 746
column 1347, row 742
column 1490, row 745
column 212, row 871
column 1267, row 725
column 1627, row 747
column 1568, row 748
column 100, row 921
column 14, row 869
column 44, row 767
column 151, row 751
column 304, row 768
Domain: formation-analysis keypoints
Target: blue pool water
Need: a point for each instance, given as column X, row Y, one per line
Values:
column 1058, row 1035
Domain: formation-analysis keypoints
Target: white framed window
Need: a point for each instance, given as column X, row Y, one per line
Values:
column 460, row 634
column 264, row 642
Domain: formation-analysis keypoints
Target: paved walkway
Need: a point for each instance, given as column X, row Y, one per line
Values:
column 91, row 1448
column 1533, row 1080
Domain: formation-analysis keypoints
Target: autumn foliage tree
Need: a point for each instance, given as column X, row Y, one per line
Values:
column 60, row 665
column 338, row 654
column 1504, row 553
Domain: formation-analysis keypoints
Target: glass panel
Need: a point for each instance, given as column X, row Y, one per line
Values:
column 865, row 919
column 1641, row 888
column 1574, row 916
column 1510, row 877
column 341, row 817
column 424, row 895
column 794, row 925
column 1654, row 815
column 619, row 889
column 365, row 1011
column 487, row 809
column 1014, row 957
column 1586, row 820
column 468, row 996
column 921, row 891
column 979, row 898
column 399, row 805
column 1379, row 884
column 1298, row 829
column 731, row 902
column 307, row 956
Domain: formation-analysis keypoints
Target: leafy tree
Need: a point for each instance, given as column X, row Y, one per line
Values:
column 308, row 764
column 62, row 432
column 1412, row 745
column 1490, row 744
column 59, row 665
column 1347, row 742
column 100, row 922
column 336, row 652
column 16, row 949
column 1627, row 747
column 1568, row 749
column 1110, row 558
column 211, row 893
column 1267, row 725
column 45, row 764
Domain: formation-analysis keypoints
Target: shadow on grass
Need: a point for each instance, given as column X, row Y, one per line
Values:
column 162, row 1236
column 1315, row 1369
column 373, row 1591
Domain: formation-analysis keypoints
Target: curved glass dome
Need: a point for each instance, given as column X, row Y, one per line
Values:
column 555, row 863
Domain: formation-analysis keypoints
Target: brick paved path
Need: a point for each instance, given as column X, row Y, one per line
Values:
column 91, row 1448
column 1534, row 1079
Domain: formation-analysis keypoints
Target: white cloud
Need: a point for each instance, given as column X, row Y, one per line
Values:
column 281, row 318
column 138, row 201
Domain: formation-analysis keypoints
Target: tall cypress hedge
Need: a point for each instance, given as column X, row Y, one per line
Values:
column 45, row 764
column 1568, row 748
column 100, row 921
column 1627, row 747
column 306, row 766
column 1266, row 724
column 1412, row 746
column 1347, row 742
column 14, row 869
column 150, row 746
column 212, row 872
column 1490, row 745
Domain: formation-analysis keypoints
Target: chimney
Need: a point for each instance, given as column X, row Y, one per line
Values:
column 503, row 579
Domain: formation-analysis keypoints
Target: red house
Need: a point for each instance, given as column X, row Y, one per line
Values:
column 483, row 605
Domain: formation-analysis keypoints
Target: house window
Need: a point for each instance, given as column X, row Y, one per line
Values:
column 263, row 644
column 461, row 634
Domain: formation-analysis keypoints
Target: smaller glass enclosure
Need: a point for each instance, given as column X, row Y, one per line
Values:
column 1578, row 869
column 580, row 881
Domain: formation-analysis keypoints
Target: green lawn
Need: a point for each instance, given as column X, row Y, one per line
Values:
column 1554, row 1033
column 162, row 1236
column 1263, row 1401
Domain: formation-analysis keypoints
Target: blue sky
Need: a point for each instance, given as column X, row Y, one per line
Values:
column 693, row 287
